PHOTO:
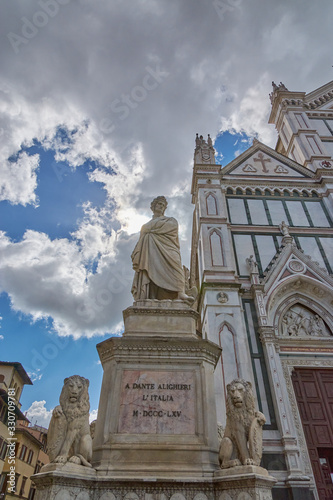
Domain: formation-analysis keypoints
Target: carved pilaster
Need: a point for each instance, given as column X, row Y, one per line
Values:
column 282, row 408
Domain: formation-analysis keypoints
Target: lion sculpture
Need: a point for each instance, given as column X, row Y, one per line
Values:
column 242, row 440
column 69, row 438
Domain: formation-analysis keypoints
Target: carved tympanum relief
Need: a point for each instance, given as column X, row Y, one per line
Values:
column 299, row 321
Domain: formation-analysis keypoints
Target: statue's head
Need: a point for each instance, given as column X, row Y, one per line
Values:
column 240, row 395
column 158, row 202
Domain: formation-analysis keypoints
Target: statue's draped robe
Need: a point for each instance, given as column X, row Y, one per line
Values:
column 156, row 258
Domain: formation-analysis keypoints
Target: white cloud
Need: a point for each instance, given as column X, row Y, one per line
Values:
column 38, row 414
column 93, row 415
column 19, row 179
column 211, row 74
column 1, row 337
column 48, row 278
column 35, row 376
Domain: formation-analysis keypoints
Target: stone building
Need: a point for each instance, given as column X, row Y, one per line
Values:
column 261, row 257
column 30, row 442
column 13, row 377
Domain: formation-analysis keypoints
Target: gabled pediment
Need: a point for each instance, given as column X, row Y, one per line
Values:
column 290, row 262
column 262, row 161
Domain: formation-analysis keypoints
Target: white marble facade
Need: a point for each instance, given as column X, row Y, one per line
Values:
column 278, row 318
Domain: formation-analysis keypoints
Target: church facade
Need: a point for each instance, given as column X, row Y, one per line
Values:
column 262, row 258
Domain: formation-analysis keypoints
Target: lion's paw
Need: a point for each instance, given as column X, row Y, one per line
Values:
column 57, row 412
column 75, row 460
column 234, row 463
column 249, row 461
column 61, row 459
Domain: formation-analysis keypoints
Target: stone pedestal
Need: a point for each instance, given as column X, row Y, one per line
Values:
column 157, row 414
column 65, row 483
column 156, row 432
column 245, row 482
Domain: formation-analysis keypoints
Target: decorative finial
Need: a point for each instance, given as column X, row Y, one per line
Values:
column 276, row 89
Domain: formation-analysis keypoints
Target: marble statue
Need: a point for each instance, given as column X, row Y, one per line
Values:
column 156, row 258
column 284, row 228
column 69, row 438
column 252, row 264
column 242, row 440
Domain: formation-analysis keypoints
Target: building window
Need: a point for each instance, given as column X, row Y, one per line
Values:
column 3, row 449
column 265, row 246
column 271, row 212
column 319, row 248
column 30, row 455
column 3, row 412
column 257, row 212
column 2, row 484
column 17, row 476
column 22, row 452
column 262, row 246
column 31, row 493
column 38, row 467
column 24, row 480
column 237, row 212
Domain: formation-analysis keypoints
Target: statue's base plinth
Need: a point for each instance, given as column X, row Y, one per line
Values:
column 156, row 417
column 244, row 484
column 156, row 431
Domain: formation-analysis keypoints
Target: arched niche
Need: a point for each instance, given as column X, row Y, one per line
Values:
column 229, row 358
column 211, row 204
column 216, row 249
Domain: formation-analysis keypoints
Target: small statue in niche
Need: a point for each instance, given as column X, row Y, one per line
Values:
column 252, row 264
column 242, row 440
column 284, row 228
column 69, row 438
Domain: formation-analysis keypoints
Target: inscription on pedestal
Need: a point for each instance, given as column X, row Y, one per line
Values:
column 157, row 402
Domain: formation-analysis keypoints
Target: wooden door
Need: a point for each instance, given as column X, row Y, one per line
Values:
column 314, row 394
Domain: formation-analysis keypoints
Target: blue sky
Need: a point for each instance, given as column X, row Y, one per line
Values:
column 62, row 191
column 99, row 108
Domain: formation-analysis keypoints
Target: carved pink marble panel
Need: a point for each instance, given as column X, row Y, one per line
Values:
column 157, row 402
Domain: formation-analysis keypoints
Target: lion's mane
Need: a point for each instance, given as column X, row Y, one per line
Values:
column 246, row 413
column 81, row 406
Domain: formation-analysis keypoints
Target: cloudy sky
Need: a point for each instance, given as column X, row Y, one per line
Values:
column 100, row 102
